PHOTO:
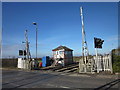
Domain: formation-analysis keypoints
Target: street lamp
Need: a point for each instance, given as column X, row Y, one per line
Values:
column 34, row 23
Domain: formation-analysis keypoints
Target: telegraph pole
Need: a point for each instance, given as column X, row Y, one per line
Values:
column 85, row 52
column 27, row 45
column 34, row 23
column 28, row 57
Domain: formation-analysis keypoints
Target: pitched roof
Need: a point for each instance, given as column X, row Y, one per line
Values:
column 62, row 47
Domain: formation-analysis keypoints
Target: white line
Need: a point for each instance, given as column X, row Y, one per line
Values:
column 64, row 87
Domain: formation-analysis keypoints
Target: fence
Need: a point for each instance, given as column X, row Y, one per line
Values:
column 96, row 64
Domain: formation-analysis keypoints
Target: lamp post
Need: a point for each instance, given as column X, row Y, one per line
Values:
column 34, row 23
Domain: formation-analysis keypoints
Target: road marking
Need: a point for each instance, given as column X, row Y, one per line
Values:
column 64, row 87
column 57, row 86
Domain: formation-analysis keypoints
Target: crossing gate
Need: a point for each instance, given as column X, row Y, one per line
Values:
column 96, row 64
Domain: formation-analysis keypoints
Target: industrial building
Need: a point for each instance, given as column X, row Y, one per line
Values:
column 63, row 55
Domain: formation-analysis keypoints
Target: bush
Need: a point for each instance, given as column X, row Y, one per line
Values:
column 116, row 63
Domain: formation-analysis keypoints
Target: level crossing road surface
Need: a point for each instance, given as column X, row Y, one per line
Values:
column 13, row 79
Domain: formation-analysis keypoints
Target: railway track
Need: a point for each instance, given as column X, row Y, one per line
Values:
column 66, row 69
column 108, row 85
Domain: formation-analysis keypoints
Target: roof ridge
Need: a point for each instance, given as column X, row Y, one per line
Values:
column 62, row 47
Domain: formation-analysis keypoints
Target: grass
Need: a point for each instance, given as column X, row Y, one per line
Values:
column 76, row 58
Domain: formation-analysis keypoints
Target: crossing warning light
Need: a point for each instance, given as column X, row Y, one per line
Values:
column 98, row 42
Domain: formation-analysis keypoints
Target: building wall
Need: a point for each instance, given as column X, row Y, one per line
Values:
column 58, row 54
column 68, row 58
column 66, row 55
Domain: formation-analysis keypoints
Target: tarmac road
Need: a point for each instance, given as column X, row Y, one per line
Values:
column 44, row 79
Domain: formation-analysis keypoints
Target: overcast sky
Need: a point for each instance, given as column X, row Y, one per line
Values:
column 58, row 24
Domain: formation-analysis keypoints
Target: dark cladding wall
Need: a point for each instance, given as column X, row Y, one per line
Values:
column 9, row 62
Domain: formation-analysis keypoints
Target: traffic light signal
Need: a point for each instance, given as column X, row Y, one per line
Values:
column 22, row 52
column 98, row 42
